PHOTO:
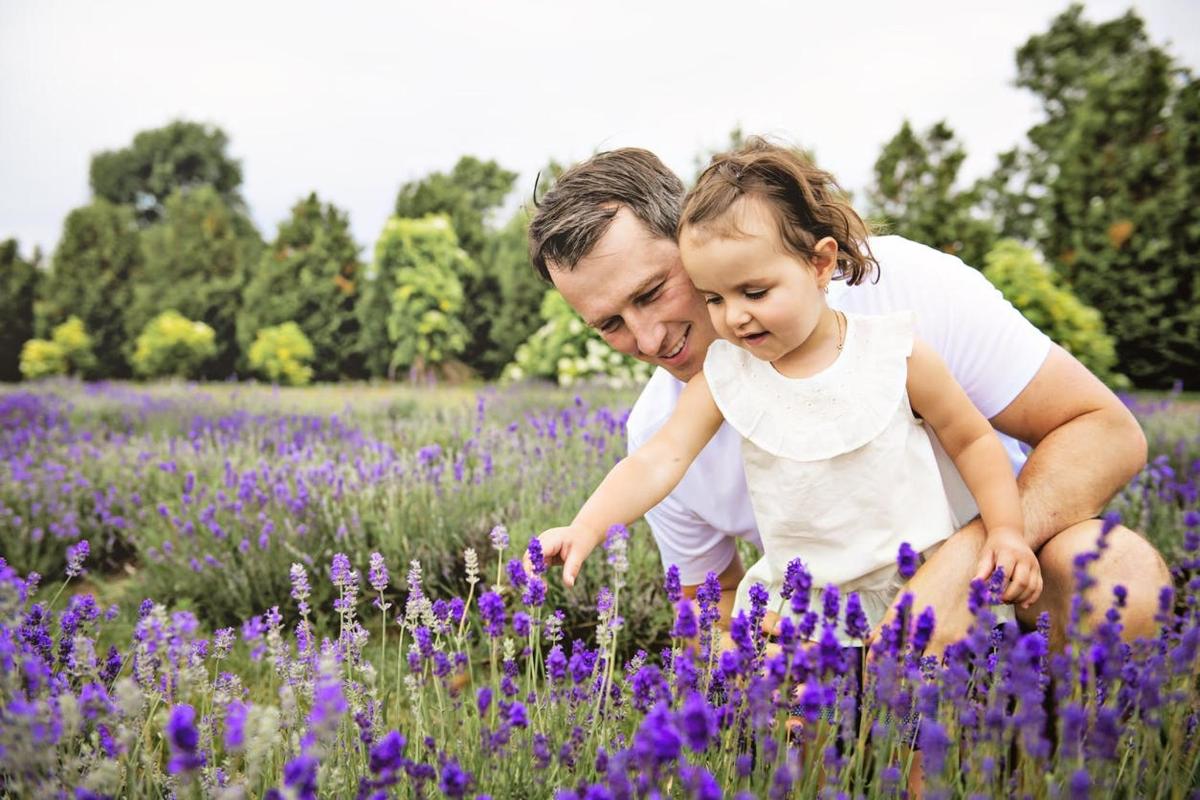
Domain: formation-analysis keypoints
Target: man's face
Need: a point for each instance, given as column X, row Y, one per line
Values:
column 633, row 289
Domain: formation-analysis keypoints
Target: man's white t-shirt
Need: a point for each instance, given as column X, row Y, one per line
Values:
column 989, row 347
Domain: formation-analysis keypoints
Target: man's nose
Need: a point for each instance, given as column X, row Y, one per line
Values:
column 649, row 335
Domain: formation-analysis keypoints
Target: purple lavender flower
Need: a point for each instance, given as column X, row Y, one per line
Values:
column 685, row 621
column 858, row 626
column 672, row 585
column 235, row 726
column 907, row 561
column 184, row 740
column 340, row 570
column 697, row 722
column 76, row 555
column 454, row 781
column 387, row 756
column 797, row 586
column 377, row 576
column 535, row 592
column 536, row 557
column 491, row 608
column 300, row 775
column 499, row 537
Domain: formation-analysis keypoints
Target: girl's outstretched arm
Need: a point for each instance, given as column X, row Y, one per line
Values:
column 969, row 439
column 640, row 481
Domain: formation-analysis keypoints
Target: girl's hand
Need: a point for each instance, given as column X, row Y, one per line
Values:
column 1006, row 548
column 568, row 546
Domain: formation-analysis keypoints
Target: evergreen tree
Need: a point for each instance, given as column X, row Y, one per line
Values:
column 92, row 276
column 180, row 155
column 309, row 275
column 914, row 194
column 1107, row 186
column 19, row 280
column 519, row 294
column 197, row 260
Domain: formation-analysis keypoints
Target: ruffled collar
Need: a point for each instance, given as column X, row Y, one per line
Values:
column 835, row 411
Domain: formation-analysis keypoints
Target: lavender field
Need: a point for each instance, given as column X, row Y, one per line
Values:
column 241, row 591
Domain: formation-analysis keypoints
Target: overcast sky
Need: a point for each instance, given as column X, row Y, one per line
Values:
column 352, row 99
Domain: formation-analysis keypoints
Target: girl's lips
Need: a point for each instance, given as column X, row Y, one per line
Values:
column 754, row 338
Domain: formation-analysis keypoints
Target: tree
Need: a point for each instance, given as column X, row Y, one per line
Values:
column 197, row 260
column 519, row 293
column 92, row 276
column 310, row 275
column 410, row 244
column 180, row 155
column 1106, row 187
column 914, row 194
column 468, row 195
column 19, row 281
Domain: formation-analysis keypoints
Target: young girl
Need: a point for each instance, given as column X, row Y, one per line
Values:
column 830, row 406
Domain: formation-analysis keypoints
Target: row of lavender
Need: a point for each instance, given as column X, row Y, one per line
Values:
column 452, row 683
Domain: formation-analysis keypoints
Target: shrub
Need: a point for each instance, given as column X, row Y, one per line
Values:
column 69, row 351
column 172, row 344
column 281, row 353
column 1046, row 301
column 566, row 350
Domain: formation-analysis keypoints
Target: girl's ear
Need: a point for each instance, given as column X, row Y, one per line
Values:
column 824, row 259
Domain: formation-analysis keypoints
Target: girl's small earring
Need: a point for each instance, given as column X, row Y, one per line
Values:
column 827, row 288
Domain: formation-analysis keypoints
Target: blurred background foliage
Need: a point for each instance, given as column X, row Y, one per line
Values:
column 1100, row 194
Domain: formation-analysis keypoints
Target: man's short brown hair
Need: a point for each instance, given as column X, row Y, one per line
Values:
column 574, row 214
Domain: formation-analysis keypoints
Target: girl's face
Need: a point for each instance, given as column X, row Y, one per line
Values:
column 760, row 296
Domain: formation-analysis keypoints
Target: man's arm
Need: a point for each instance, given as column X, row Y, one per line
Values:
column 1086, row 446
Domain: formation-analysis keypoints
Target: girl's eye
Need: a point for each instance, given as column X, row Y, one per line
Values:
column 756, row 294
column 712, row 301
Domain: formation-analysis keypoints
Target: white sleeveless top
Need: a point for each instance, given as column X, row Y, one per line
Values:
column 840, row 472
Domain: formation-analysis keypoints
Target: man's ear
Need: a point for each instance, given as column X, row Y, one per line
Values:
column 824, row 259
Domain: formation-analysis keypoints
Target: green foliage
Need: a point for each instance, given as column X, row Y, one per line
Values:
column 161, row 161
column 914, row 194
column 92, row 276
column 468, row 195
column 173, row 345
column 424, row 326
column 423, row 253
column 196, row 263
column 281, row 354
column 310, row 276
column 566, row 350
column 19, row 281
column 1045, row 301
column 68, row 352
column 1107, row 186
column 515, row 315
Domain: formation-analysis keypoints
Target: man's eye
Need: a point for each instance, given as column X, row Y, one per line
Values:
column 610, row 326
column 651, row 295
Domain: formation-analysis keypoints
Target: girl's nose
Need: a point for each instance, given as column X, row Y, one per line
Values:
column 736, row 315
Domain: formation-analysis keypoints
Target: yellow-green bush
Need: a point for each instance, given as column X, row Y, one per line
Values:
column 566, row 350
column 68, row 351
column 281, row 354
column 1046, row 301
column 173, row 345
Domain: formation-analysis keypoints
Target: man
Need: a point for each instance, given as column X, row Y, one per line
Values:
column 604, row 235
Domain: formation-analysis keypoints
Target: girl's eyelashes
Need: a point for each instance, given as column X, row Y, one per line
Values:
column 755, row 294
column 713, row 299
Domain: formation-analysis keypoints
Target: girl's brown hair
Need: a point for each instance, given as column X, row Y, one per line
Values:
column 807, row 204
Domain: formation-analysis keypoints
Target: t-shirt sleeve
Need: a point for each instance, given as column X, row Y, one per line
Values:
column 990, row 347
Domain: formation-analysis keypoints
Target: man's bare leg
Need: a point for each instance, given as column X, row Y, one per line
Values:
column 1129, row 561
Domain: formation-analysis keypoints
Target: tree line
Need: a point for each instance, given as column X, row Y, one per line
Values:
column 1090, row 226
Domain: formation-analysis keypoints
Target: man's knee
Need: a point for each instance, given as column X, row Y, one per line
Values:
column 1128, row 560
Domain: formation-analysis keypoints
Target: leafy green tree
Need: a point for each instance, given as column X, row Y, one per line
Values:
column 92, row 276
column 1106, row 187
column 914, row 193
column 1045, row 300
column 281, row 353
column 469, row 194
column 407, row 244
column 161, row 161
column 197, row 260
column 424, row 326
column 173, row 345
column 310, row 275
column 19, row 281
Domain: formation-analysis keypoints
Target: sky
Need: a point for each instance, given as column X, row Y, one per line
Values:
column 353, row 99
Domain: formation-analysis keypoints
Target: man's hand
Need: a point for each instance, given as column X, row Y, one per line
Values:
column 1006, row 548
column 568, row 546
